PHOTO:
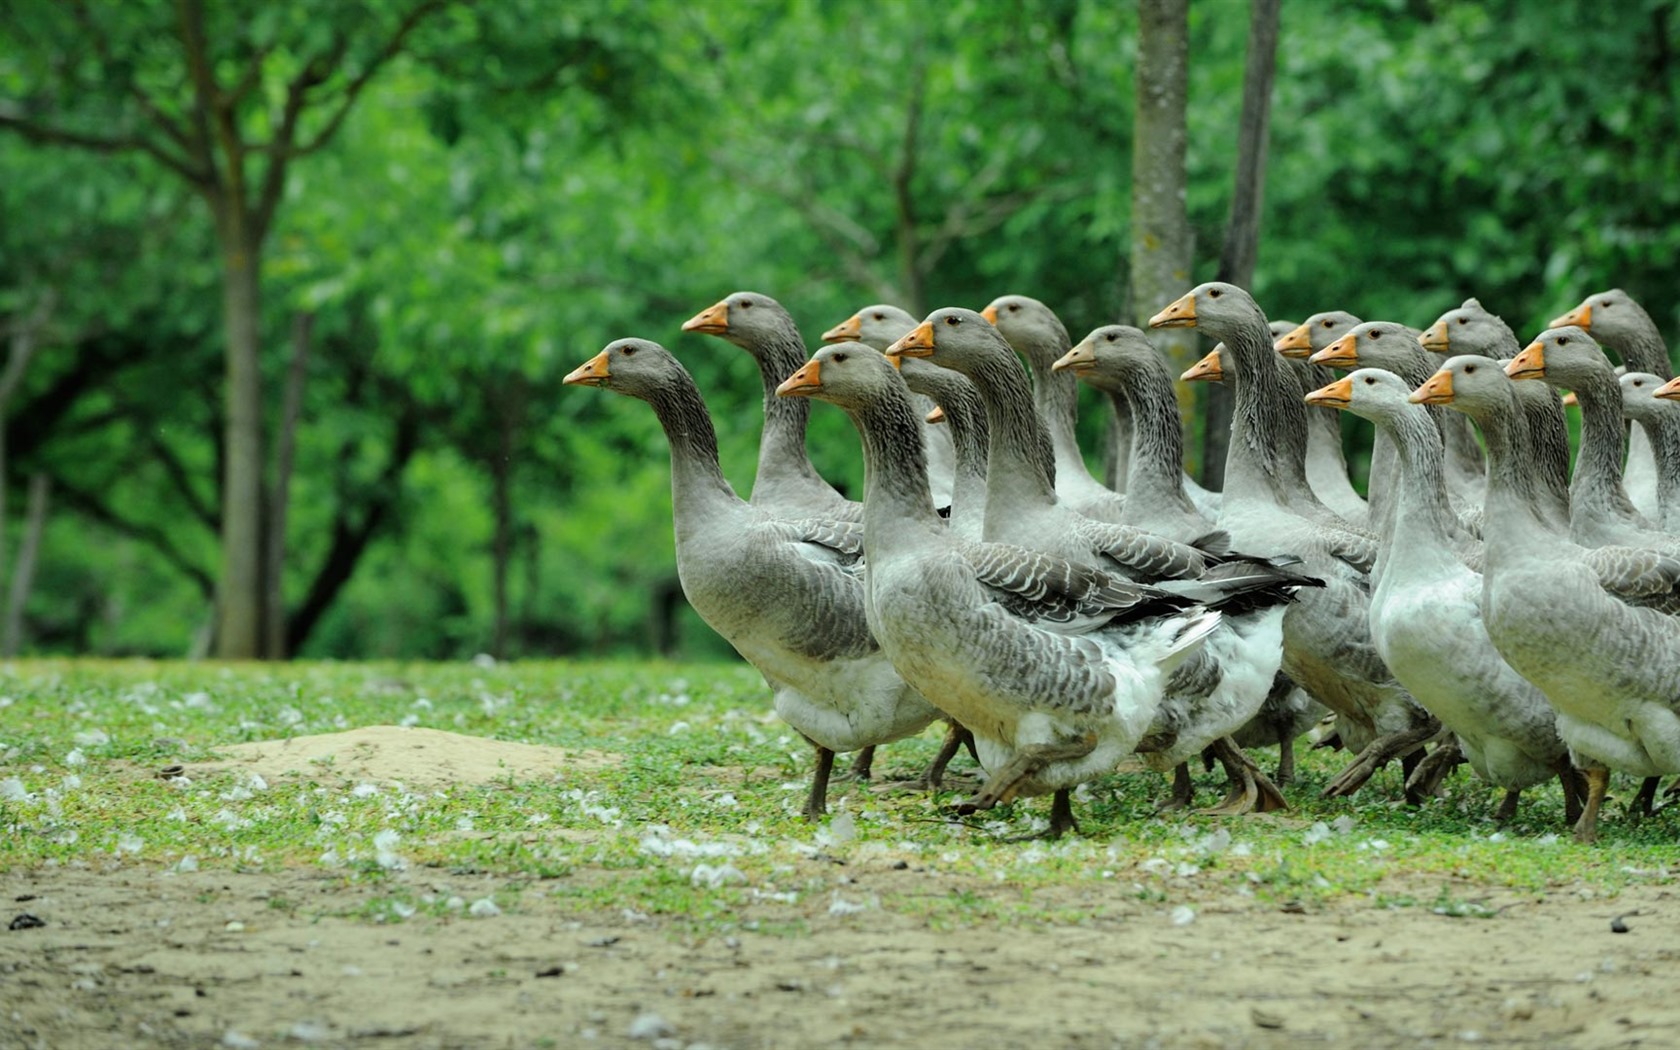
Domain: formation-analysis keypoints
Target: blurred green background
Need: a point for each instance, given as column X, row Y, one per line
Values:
column 513, row 184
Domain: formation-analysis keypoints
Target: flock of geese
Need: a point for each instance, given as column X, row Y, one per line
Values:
column 1482, row 606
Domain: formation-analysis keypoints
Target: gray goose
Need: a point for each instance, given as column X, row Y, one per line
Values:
column 1600, row 512
column 1659, row 417
column 1022, row 504
column 1426, row 608
column 1594, row 629
column 878, row 327
column 1056, row 667
column 1120, row 361
column 1394, row 348
column 1270, row 510
column 1327, row 471
column 786, row 482
column 786, row 593
column 1473, row 329
column 1620, row 324
column 1035, row 332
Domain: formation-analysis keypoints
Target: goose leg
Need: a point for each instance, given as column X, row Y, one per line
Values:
column 1426, row 776
column 1002, row 785
column 1061, row 814
column 1645, row 803
column 1376, row 755
column 1508, row 806
column 1570, row 778
column 816, row 804
column 1586, row 829
column 1286, row 758
column 1183, row 790
column 863, row 766
column 935, row 774
column 1251, row 789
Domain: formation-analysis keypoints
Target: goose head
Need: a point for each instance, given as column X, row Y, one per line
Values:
column 1371, row 393
column 750, row 320
column 877, row 326
column 1030, row 327
column 848, row 376
column 1210, row 369
column 1470, row 329
column 1612, row 317
column 632, row 367
column 955, row 338
column 1564, row 357
column 1314, row 334
column 1216, row 307
column 1468, row 383
column 1639, row 397
column 1372, row 344
column 1109, row 357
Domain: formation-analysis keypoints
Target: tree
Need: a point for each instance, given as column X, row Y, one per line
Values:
column 1162, row 247
column 257, row 94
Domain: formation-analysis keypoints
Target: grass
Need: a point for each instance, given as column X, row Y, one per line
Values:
column 699, row 820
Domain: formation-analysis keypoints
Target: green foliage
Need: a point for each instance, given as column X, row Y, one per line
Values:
column 527, row 181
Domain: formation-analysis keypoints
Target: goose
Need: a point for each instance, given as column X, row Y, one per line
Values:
column 1022, row 504
column 878, row 327
column 1394, row 348
column 1594, row 629
column 1120, row 361
column 1660, row 419
column 1600, row 512
column 1270, row 510
column 786, row 482
column 1426, row 616
column 959, row 410
column 1620, row 324
column 1473, row 329
column 785, row 593
column 1035, row 332
column 1057, row 668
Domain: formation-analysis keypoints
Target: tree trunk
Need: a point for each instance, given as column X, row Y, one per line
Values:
column 1161, row 239
column 274, row 611
column 239, row 597
column 23, row 569
column 1242, row 232
column 501, row 546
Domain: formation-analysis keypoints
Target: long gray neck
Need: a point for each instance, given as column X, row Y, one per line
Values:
column 894, row 469
column 1421, row 512
column 1055, row 396
column 1268, row 445
column 781, row 448
column 1547, row 442
column 1663, row 431
column 697, row 482
column 965, row 414
column 1598, row 466
column 1511, row 518
column 1155, row 471
column 1020, row 464
column 1643, row 349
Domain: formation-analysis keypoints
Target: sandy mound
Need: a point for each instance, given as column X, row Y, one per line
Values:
column 419, row 758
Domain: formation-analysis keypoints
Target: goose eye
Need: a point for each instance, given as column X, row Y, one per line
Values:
column 627, row 351
column 880, row 317
column 1369, row 380
column 1468, row 369
column 1214, row 293
column 838, row 358
column 1014, row 307
column 1563, row 340
column 1112, row 337
column 746, row 304
column 1326, row 323
column 1463, row 320
column 953, row 321
column 1604, row 303
column 1376, row 335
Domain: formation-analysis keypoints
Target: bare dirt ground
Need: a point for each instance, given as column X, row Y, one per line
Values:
column 129, row 956
column 199, row 959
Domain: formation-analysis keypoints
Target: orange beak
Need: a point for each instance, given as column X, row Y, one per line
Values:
column 847, row 331
column 1209, row 369
column 1181, row 314
column 918, row 342
column 1530, row 364
column 1436, row 390
column 1297, row 342
column 990, row 314
column 1436, row 338
column 937, row 415
column 1340, row 354
column 1337, row 395
column 1081, row 358
column 713, row 320
column 1580, row 317
column 592, row 372
column 1669, row 391
column 802, row 383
